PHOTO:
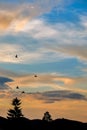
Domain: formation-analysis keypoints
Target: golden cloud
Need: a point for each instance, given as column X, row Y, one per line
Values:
column 29, row 81
column 5, row 20
column 22, row 10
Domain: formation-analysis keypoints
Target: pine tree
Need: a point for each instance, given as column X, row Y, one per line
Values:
column 16, row 112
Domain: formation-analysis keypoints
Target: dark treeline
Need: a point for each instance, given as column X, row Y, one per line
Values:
column 16, row 120
column 23, row 123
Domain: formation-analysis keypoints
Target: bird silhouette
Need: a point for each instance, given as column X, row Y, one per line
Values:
column 23, row 92
column 17, row 87
column 35, row 75
column 16, row 56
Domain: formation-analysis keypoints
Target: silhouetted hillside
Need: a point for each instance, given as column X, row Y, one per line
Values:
column 3, row 123
column 68, row 124
column 26, row 124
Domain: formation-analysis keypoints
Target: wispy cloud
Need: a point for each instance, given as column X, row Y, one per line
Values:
column 45, row 82
column 28, row 82
column 52, row 96
column 18, row 14
column 5, row 20
column 38, row 29
column 58, row 41
column 75, row 51
column 9, row 51
column 27, row 54
column 50, row 47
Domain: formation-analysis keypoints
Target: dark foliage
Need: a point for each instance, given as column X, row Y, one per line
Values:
column 16, row 111
column 47, row 116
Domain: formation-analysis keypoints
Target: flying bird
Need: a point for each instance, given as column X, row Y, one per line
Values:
column 35, row 75
column 16, row 56
column 23, row 92
column 17, row 87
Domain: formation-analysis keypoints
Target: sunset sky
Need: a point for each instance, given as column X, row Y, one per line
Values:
column 50, row 40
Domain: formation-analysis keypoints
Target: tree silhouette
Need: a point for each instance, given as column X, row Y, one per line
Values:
column 47, row 116
column 16, row 111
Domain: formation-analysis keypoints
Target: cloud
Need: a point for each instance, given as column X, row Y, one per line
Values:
column 52, row 96
column 71, row 40
column 75, row 51
column 54, row 42
column 5, row 20
column 83, row 19
column 38, row 29
column 3, row 81
column 46, row 82
column 67, row 38
column 15, row 16
column 7, row 73
column 59, row 41
column 8, row 51
column 41, row 83
column 26, row 54
column 18, row 14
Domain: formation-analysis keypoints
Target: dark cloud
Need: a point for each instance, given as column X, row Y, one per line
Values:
column 3, row 81
column 76, row 96
column 52, row 96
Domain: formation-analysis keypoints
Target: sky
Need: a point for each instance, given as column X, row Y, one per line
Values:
column 49, row 38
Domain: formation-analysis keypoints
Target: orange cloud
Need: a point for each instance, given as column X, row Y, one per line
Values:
column 29, row 81
column 50, row 82
column 5, row 21
column 15, row 15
